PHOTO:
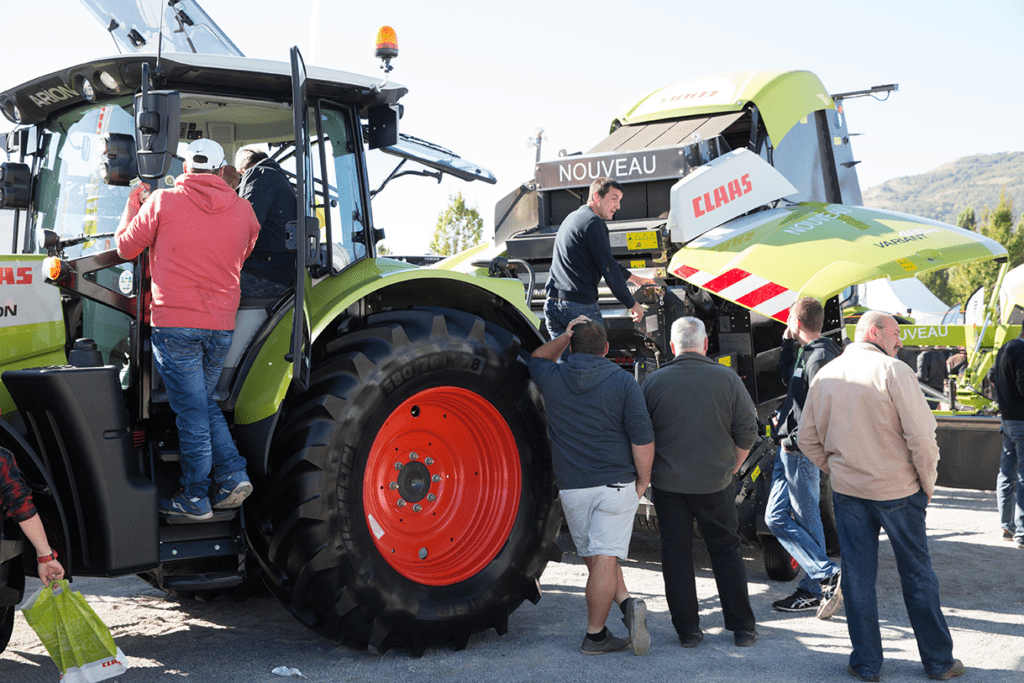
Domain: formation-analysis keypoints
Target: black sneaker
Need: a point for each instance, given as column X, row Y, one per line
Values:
column 744, row 638
column 607, row 644
column 692, row 640
column 831, row 597
column 801, row 601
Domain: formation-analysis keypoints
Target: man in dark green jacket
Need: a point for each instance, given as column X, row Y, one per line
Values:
column 704, row 425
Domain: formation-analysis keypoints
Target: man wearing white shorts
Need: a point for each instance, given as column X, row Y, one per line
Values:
column 602, row 445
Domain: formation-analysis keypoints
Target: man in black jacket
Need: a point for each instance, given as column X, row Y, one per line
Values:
column 792, row 511
column 704, row 425
column 1010, row 481
column 270, row 269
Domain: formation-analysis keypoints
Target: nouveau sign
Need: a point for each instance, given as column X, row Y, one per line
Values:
column 580, row 171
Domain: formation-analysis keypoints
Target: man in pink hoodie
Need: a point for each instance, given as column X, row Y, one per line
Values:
column 198, row 233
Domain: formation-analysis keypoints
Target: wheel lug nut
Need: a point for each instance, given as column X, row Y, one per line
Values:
column 431, row 497
column 401, row 503
column 436, row 478
column 429, row 461
column 413, row 456
column 399, row 465
column 394, row 485
column 417, row 507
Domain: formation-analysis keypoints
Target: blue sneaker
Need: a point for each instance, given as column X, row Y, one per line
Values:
column 183, row 506
column 232, row 491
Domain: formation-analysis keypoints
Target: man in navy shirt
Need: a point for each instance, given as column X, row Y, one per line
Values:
column 582, row 256
column 602, row 445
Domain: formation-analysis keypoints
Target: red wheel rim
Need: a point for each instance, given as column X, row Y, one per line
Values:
column 442, row 485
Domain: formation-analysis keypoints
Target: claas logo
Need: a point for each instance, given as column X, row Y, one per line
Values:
column 15, row 276
column 723, row 194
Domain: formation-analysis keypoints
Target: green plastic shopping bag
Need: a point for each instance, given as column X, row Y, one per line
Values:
column 78, row 642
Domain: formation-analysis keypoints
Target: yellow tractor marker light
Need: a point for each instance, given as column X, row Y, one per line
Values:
column 387, row 44
column 52, row 267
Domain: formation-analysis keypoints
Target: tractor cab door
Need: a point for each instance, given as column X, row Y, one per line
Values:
column 304, row 232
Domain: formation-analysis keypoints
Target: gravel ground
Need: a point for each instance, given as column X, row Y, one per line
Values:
column 982, row 597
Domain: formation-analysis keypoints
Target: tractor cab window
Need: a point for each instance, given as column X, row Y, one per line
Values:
column 337, row 195
column 73, row 201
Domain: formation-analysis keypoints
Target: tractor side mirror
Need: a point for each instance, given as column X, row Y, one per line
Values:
column 119, row 166
column 15, row 185
column 383, row 126
column 157, row 122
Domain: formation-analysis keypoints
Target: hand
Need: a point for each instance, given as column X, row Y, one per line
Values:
column 637, row 312
column 641, row 489
column 579, row 320
column 140, row 193
column 50, row 571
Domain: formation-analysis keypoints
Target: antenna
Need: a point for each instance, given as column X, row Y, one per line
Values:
column 160, row 37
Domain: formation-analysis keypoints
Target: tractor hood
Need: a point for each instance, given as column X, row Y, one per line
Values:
column 782, row 97
column 767, row 260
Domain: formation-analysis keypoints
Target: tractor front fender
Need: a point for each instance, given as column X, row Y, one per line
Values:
column 370, row 286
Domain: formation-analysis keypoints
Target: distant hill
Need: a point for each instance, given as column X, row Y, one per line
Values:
column 949, row 189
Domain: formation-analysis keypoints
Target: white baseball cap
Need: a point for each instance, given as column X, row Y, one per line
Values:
column 204, row 155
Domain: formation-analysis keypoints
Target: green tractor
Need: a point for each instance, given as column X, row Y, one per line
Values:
column 398, row 448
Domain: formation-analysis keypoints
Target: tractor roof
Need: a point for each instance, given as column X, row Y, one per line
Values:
column 112, row 78
column 782, row 97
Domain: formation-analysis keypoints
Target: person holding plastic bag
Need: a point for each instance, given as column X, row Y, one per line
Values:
column 16, row 500
column 78, row 642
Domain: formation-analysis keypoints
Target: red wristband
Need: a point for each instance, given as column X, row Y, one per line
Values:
column 47, row 558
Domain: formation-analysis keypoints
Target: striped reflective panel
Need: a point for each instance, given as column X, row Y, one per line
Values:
column 751, row 291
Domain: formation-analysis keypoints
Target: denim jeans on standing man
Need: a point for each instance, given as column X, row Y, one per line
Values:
column 859, row 521
column 190, row 362
column 1010, row 481
column 793, row 515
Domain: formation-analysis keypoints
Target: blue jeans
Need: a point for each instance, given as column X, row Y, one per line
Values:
column 256, row 287
column 858, row 521
column 1010, row 481
column 715, row 514
column 794, row 517
column 558, row 314
column 190, row 363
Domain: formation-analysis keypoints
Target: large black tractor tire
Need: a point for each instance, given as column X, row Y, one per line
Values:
column 410, row 500
column 779, row 564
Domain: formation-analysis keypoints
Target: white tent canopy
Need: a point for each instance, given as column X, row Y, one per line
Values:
column 908, row 297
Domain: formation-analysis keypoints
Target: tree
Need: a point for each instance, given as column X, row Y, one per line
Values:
column 996, row 225
column 382, row 249
column 458, row 227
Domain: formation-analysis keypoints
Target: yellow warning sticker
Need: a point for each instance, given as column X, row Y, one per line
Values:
column 637, row 264
column 642, row 240
column 906, row 264
column 755, row 473
column 726, row 361
column 837, row 141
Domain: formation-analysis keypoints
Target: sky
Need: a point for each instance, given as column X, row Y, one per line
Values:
column 484, row 76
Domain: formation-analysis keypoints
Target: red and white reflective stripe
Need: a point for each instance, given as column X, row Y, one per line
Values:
column 751, row 291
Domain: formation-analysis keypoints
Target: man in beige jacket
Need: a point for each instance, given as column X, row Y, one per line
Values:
column 866, row 423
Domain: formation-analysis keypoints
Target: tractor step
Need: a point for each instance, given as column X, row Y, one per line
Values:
column 209, row 581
